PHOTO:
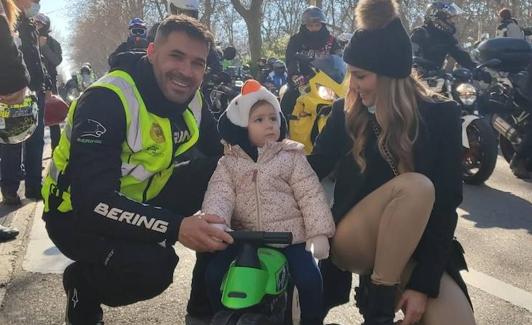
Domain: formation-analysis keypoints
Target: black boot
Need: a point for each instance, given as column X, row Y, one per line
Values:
column 362, row 294
column 7, row 233
column 381, row 304
column 83, row 308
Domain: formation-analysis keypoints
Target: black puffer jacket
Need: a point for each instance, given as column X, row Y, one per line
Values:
column 437, row 155
column 434, row 45
column 32, row 56
column 311, row 44
column 13, row 73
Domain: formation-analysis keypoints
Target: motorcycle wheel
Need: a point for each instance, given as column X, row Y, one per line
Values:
column 225, row 318
column 293, row 310
column 253, row 319
column 480, row 159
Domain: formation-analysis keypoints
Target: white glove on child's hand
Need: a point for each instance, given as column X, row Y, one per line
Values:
column 318, row 246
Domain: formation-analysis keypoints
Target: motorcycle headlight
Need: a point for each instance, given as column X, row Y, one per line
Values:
column 239, row 83
column 467, row 94
column 326, row 93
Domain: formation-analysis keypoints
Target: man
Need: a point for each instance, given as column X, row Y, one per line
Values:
column 509, row 27
column 137, row 40
column 52, row 55
column 189, row 8
column 434, row 40
column 11, row 164
column 126, row 176
column 313, row 40
column 79, row 81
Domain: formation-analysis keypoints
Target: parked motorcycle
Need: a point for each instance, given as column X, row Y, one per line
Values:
column 508, row 100
column 325, row 82
column 221, row 87
column 478, row 139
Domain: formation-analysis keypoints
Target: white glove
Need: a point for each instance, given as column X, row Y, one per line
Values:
column 318, row 246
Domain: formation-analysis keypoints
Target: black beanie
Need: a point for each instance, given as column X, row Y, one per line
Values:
column 381, row 43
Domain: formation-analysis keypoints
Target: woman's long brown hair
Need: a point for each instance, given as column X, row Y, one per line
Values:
column 397, row 115
column 11, row 13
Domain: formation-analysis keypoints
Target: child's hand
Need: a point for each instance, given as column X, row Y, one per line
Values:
column 318, row 246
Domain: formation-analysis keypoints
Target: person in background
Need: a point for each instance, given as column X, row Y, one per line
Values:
column 313, row 40
column 509, row 27
column 137, row 40
column 52, row 55
column 11, row 162
column 14, row 78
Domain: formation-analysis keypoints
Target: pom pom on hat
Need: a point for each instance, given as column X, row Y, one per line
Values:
column 252, row 91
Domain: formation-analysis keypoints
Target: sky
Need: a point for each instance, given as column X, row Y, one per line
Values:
column 57, row 10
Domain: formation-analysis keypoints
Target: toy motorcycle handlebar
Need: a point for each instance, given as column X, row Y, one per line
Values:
column 262, row 237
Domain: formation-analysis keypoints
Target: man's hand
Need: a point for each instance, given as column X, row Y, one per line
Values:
column 14, row 98
column 199, row 233
column 413, row 303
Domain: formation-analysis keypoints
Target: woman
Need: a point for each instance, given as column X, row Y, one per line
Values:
column 397, row 153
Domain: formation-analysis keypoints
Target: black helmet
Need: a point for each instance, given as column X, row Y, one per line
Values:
column 43, row 20
column 313, row 14
column 17, row 122
column 439, row 15
column 229, row 53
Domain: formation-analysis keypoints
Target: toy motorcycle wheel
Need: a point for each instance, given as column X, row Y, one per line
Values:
column 253, row 319
column 225, row 318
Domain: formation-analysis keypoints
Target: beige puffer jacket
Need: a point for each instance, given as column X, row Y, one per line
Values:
column 279, row 192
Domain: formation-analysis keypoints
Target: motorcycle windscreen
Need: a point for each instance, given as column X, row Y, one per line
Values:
column 332, row 65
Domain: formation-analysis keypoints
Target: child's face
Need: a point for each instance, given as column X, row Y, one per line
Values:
column 263, row 125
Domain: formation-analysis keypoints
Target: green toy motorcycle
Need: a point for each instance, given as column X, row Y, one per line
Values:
column 254, row 289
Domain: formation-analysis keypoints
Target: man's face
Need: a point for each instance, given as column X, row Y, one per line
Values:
column 179, row 63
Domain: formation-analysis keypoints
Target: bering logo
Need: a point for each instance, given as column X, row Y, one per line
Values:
column 131, row 218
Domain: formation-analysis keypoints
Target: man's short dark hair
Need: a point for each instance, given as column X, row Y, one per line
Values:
column 181, row 23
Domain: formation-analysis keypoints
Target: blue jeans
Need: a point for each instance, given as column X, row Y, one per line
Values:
column 304, row 272
column 11, row 158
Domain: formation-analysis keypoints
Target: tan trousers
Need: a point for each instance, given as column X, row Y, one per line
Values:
column 381, row 233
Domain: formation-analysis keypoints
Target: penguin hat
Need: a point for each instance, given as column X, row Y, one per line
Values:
column 233, row 124
column 252, row 91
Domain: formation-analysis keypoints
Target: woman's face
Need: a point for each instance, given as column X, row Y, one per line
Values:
column 364, row 83
column 24, row 4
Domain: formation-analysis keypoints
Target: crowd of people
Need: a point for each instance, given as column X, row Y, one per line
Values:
column 142, row 164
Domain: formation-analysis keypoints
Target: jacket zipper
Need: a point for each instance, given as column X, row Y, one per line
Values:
column 145, row 194
column 259, row 226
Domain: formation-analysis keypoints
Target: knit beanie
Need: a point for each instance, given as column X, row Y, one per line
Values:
column 380, row 44
column 233, row 123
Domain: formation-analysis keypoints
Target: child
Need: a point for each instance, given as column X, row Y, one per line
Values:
column 264, row 183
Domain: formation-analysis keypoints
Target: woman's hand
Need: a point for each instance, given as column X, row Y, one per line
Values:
column 413, row 303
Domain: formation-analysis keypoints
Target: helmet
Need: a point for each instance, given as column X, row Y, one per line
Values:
column 86, row 67
column 137, row 27
column 18, row 122
column 55, row 111
column 313, row 14
column 279, row 65
column 229, row 53
column 271, row 61
column 44, row 20
column 186, row 7
column 439, row 15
